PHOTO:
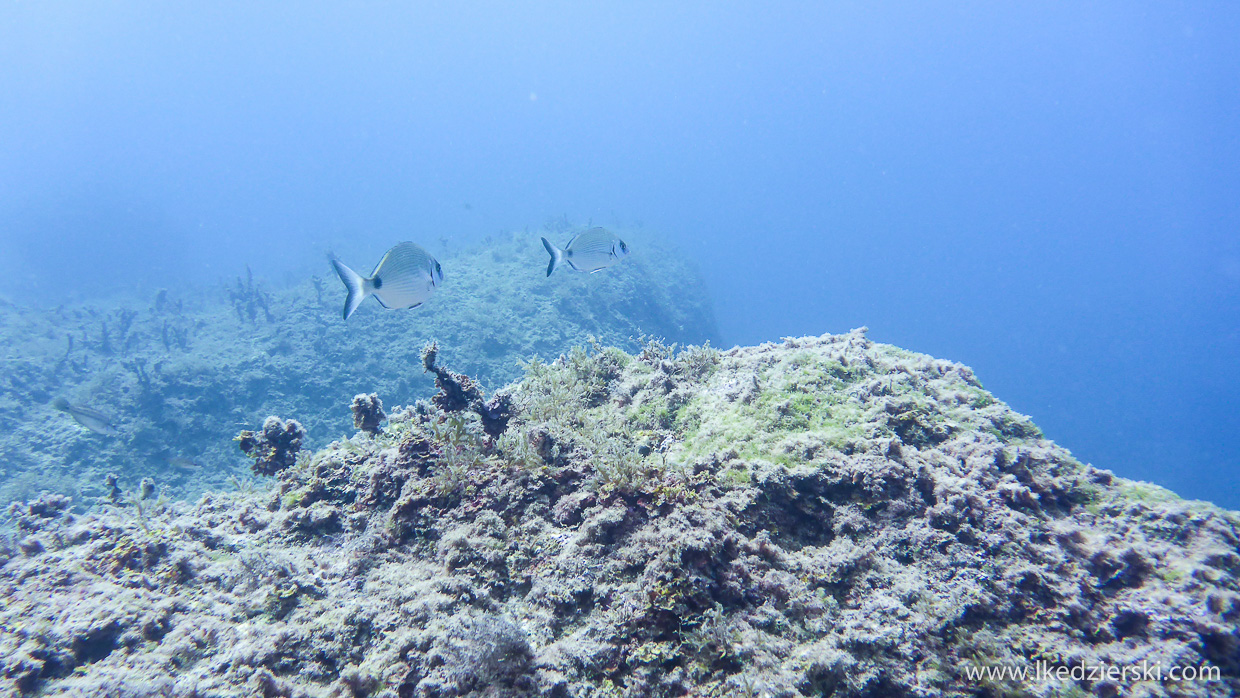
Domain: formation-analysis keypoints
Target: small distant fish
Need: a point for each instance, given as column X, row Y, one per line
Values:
column 591, row 251
column 91, row 419
column 183, row 463
column 405, row 277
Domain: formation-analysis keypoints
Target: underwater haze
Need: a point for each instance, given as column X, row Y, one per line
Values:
column 1046, row 192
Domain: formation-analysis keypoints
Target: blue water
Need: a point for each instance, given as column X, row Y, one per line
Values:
column 1047, row 192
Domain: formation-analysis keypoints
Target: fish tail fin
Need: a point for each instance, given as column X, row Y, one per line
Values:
column 354, row 283
column 556, row 255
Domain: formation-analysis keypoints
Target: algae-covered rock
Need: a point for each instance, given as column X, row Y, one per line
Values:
column 185, row 370
column 273, row 449
column 823, row 516
column 368, row 414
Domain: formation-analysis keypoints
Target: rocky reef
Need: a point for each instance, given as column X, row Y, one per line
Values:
column 179, row 371
column 826, row 516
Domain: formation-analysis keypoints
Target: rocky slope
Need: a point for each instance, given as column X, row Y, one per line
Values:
column 823, row 517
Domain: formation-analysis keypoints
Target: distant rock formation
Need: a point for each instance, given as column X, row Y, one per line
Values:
column 821, row 517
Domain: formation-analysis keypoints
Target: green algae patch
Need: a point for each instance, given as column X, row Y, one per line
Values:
column 805, row 395
column 652, row 422
column 1147, row 492
column 837, row 394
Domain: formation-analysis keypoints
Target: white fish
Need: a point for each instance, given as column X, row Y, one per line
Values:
column 405, row 277
column 595, row 249
column 91, row 419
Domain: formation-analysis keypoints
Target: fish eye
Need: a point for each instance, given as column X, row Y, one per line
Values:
column 623, row 247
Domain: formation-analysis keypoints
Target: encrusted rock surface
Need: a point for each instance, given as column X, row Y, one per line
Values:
column 821, row 517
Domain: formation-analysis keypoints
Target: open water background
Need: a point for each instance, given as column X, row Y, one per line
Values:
column 1048, row 192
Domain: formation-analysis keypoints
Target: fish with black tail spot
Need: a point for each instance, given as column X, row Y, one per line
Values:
column 591, row 251
column 405, row 278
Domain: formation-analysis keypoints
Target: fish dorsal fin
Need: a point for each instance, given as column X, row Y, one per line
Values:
column 375, row 272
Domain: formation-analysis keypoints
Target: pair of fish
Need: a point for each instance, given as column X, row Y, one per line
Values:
column 407, row 275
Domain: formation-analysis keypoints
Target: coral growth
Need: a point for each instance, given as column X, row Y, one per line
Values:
column 825, row 516
column 274, row 448
column 248, row 298
column 368, row 413
column 459, row 392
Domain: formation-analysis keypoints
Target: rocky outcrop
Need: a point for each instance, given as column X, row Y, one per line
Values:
column 821, row 517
